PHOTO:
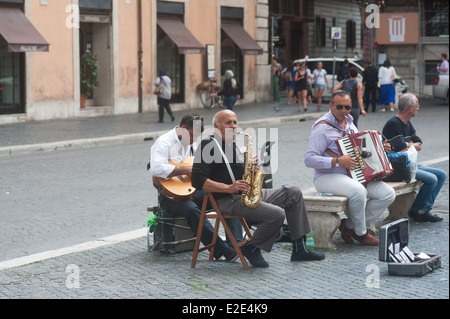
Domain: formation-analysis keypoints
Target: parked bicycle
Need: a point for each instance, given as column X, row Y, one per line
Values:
column 208, row 94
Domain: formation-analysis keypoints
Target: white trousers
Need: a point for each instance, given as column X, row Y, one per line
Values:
column 365, row 203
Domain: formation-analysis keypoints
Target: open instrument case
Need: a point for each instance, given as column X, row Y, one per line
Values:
column 394, row 239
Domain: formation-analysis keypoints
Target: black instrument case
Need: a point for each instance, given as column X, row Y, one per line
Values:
column 397, row 232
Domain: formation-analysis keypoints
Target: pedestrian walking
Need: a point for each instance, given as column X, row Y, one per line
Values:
column 370, row 79
column 320, row 81
column 288, row 75
column 301, row 86
column 442, row 67
column 344, row 72
column 163, row 85
column 386, row 77
column 230, row 90
column 276, row 80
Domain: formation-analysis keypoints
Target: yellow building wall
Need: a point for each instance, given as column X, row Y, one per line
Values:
column 53, row 73
column 128, row 50
column 204, row 30
column 52, row 80
column 251, row 59
column 147, row 48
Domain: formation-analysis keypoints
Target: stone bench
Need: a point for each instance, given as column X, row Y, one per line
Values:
column 323, row 211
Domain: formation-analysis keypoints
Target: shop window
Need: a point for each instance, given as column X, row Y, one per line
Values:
column 12, row 87
column 231, row 58
column 436, row 18
column 351, row 33
column 12, row 2
column 96, row 4
column 320, row 24
column 168, row 55
column 295, row 8
column 173, row 63
column 231, row 55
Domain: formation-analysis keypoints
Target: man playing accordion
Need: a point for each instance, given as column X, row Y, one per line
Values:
column 366, row 201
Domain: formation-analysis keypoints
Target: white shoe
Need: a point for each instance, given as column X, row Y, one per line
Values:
column 392, row 110
column 382, row 110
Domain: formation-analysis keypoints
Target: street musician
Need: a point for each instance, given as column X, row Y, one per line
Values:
column 167, row 154
column 331, row 172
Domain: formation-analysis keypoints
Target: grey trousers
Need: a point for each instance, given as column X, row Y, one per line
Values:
column 276, row 206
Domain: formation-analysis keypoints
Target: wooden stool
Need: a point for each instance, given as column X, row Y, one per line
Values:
column 220, row 218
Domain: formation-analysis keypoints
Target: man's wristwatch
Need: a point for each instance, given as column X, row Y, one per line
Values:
column 337, row 162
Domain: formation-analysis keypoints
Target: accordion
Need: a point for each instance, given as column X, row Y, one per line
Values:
column 367, row 149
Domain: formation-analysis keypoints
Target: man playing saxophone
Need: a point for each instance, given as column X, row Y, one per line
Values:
column 219, row 167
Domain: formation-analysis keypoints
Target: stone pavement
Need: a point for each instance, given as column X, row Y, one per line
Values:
column 127, row 270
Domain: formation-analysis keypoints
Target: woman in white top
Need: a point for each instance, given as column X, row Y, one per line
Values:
column 165, row 96
column 320, row 78
column 386, row 76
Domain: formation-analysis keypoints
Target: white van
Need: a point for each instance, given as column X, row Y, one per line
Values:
column 327, row 64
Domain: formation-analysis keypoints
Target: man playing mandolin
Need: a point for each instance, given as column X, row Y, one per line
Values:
column 171, row 167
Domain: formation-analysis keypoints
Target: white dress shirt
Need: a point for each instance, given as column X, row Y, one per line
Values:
column 168, row 148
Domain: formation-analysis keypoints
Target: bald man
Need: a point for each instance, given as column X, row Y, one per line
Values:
column 218, row 168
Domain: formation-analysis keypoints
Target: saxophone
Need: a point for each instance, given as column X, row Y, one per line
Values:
column 254, row 176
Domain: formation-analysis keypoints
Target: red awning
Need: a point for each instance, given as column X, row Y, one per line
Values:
column 18, row 32
column 181, row 36
column 242, row 39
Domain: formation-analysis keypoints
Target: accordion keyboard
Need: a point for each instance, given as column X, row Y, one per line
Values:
column 347, row 149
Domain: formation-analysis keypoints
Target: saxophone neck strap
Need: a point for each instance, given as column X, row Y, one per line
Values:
column 226, row 160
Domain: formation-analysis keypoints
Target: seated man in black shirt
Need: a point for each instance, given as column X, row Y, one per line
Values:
column 401, row 134
column 211, row 173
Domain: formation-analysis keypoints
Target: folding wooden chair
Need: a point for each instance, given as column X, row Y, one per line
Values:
column 220, row 219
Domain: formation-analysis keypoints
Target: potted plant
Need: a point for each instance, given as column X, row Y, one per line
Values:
column 88, row 76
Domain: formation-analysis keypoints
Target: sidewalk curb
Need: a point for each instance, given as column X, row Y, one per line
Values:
column 137, row 137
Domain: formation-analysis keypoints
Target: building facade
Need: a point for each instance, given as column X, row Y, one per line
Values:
column 414, row 49
column 131, row 40
column 303, row 28
column 419, row 30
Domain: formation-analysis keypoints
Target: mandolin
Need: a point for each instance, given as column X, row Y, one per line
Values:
column 177, row 188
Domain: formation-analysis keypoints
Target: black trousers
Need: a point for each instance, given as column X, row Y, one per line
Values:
column 370, row 96
column 164, row 104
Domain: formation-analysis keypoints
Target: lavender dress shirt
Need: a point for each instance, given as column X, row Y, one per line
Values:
column 324, row 137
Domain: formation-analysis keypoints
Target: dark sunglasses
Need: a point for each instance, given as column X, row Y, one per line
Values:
column 347, row 107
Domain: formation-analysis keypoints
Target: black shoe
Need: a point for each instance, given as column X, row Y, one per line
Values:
column 301, row 253
column 427, row 217
column 253, row 254
column 230, row 255
column 412, row 214
column 172, row 117
column 307, row 256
